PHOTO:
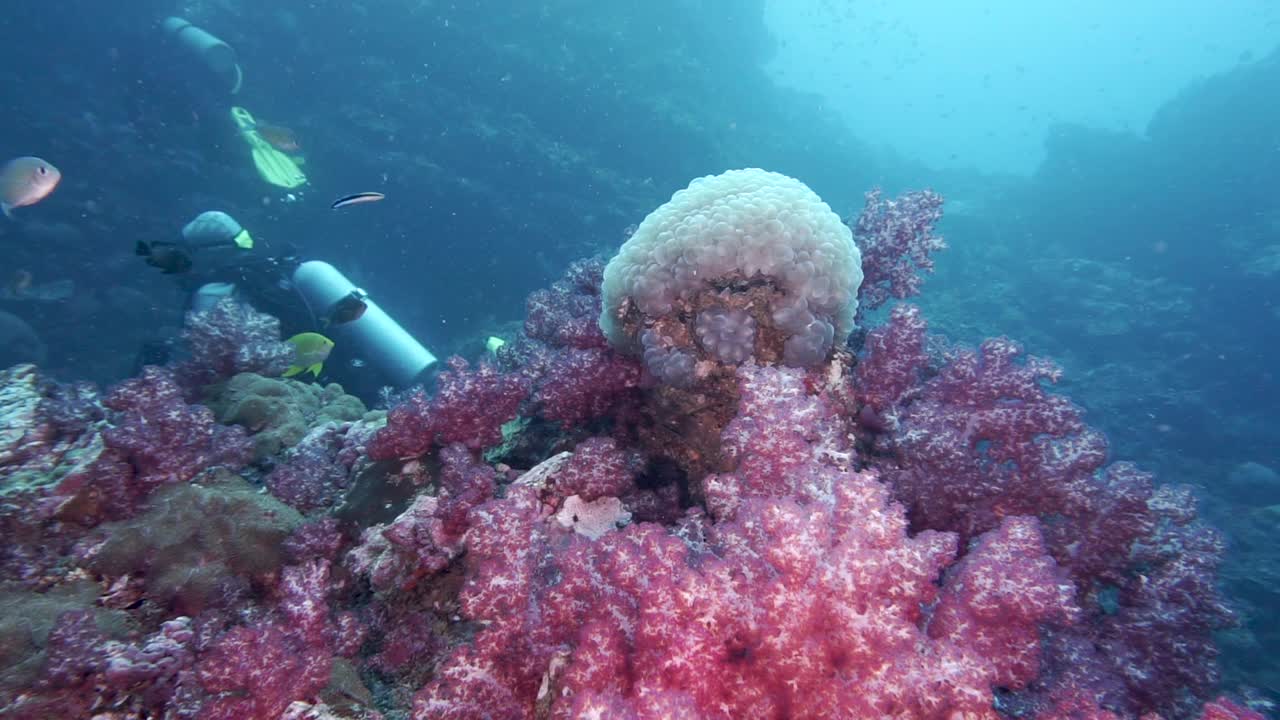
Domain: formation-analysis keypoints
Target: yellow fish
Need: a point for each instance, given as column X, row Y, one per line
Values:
column 310, row 352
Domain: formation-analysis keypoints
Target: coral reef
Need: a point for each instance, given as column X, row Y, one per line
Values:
column 278, row 412
column 896, row 238
column 575, row 377
column 231, row 338
column 317, row 472
column 196, row 547
column 746, row 264
column 915, row 530
column 72, row 460
column 470, row 407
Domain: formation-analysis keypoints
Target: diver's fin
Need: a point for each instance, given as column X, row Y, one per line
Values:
column 273, row 166
column 7, row 208
column 276, row 168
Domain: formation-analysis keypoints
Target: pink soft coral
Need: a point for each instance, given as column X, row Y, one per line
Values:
column 257, row 670
column 808, row 597
column 896, row 239
column 469, row 407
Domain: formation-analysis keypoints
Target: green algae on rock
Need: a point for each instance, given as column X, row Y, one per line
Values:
column 197, row 544
column 279, row 412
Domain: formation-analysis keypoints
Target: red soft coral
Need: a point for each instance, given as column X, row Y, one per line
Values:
column 896, row 239
column 811, row 603
column 469, row 407
column 257, row 670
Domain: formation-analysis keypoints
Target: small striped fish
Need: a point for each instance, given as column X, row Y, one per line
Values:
column 364, row 197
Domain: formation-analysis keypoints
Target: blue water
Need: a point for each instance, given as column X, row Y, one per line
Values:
column 1140, row 249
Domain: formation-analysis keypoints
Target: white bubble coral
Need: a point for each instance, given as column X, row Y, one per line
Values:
column 720, row 235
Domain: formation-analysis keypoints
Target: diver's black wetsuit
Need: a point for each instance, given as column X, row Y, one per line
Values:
column 263, row 279
column 262, row 276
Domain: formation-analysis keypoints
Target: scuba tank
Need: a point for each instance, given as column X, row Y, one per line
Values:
column 369, row 332
column 215, row 54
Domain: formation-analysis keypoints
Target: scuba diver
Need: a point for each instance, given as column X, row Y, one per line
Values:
column 188, row 83
column 319, row 309
column 216, row 257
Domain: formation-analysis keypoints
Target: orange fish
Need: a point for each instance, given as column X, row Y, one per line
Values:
column 281, row 138
column 26, row 181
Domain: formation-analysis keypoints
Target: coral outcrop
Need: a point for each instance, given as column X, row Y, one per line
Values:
column 901, row 528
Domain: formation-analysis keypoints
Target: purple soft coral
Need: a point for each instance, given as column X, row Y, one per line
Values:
column 896, row 238
column 231, row 338
column 1002, row 609
column 84, row 669
column 598, row 468
column 809, row 603
column 256, row 671
column 164, row 439
column 980, row 439
column 580, row 384
column 1160, row 639
column 567, row 313
column 469, row 407
column 892, row 364
column 983, row 421
column 152, row 438
column 316, row 471
column 424, row 538
column 575, row 375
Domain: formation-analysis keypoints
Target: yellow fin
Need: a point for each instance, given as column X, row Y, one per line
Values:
column 315, row 369
column 273, row 166
column 293, row 370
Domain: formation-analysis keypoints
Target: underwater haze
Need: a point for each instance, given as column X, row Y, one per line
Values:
column 978, row 85
column 383, row 359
